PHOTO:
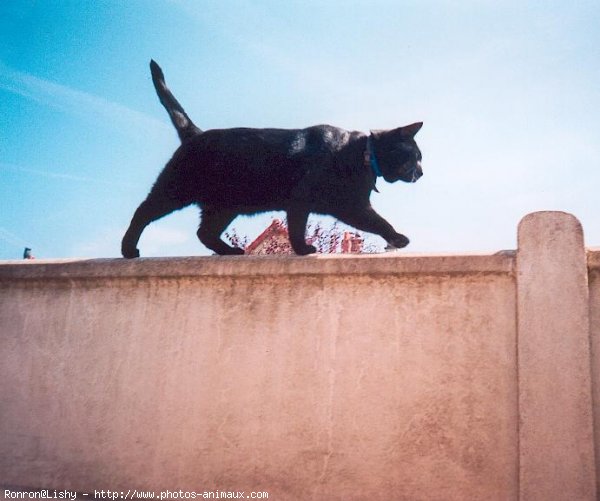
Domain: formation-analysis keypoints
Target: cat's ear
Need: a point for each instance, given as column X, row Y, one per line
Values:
column 406, row 131
column 410, row 130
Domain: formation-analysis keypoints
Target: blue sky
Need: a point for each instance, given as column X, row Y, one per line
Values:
column 509, row 92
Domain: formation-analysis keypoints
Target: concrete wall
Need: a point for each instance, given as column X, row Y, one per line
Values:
column 349, row 377
column 594, row 296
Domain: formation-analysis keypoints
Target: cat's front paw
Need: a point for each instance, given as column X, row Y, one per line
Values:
column 305, row 250
column 399, row 241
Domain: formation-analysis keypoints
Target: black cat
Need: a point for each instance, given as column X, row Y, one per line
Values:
column 320, row 169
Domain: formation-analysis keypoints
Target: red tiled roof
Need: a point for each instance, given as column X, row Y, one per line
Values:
column 276, row 229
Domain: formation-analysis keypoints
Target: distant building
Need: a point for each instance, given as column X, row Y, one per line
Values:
column 352, row 243
column 275, row 240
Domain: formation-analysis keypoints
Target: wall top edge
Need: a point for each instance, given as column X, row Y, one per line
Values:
column 364, row 264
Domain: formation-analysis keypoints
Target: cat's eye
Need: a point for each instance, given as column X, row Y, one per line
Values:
column 404, row 147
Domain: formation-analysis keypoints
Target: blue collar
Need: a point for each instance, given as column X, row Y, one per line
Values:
column 370, row 153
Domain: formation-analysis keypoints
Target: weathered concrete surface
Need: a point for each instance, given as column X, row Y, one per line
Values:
column 555, row 405
column 333, row 378
column 359, row 377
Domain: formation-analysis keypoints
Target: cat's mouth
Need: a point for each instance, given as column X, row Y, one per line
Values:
column 408, row 174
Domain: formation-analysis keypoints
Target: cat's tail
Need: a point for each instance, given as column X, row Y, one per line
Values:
column 184, row 125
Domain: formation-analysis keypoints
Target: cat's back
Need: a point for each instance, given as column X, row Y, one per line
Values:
column 246, row 141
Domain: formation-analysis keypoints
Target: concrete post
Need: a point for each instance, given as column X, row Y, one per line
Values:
column 556, row 445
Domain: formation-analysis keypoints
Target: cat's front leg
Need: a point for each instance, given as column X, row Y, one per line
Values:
column 296, row 219
column 366, row 219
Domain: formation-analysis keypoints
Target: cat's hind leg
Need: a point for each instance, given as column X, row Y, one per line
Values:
column 150, row 210
column 367, row 219
column 296, row 219
column 213, row 223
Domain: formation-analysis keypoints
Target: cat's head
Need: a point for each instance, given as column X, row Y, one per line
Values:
column 397, row 153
